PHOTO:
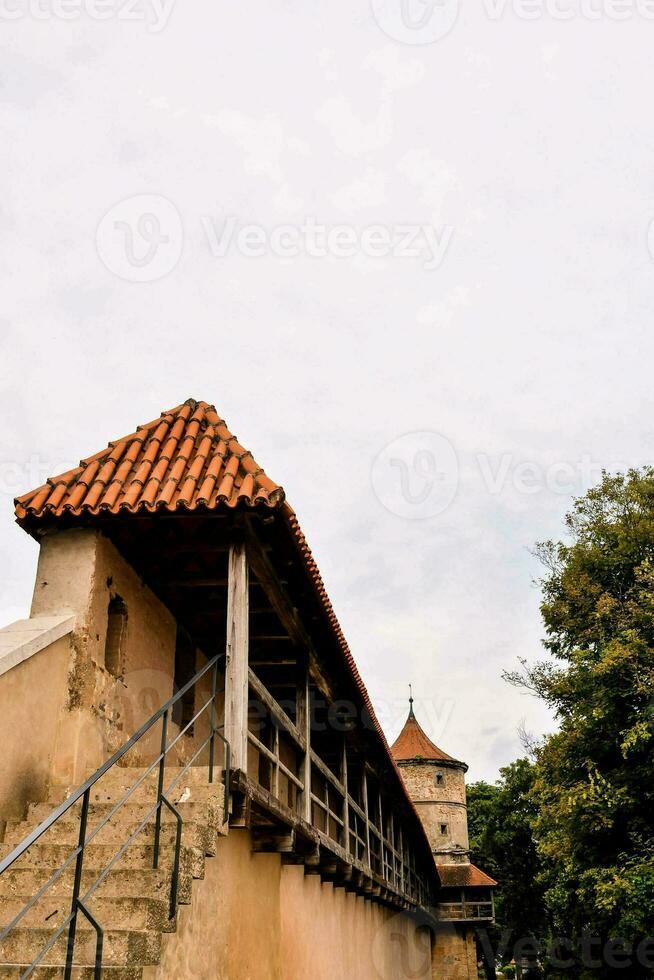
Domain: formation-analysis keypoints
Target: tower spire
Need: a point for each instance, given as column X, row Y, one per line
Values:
column 411, row 714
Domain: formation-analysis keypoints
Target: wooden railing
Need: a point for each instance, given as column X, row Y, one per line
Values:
column 366, row 830
column 464, row 911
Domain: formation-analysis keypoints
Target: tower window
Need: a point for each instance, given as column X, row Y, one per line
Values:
column 443, row 828
column 440, row 779
column 114, row 647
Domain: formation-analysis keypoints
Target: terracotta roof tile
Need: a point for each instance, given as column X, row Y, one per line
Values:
column 170, row 463
column 413, row 743
column 464, row 876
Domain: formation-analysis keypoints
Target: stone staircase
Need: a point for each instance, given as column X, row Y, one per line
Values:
column 133, row 902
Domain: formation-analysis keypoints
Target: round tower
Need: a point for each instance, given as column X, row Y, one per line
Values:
column 436, row 785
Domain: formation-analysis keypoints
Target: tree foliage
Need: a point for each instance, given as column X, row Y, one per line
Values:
column 593, row 780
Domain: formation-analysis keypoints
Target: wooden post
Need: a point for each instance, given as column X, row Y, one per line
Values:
column 303, row 722
column 364, row 793
column 346, row 798
column 236, row 669
column 382, row 838
column 275, row 787
column 393, row 855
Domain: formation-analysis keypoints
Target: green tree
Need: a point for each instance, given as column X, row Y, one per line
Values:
column 500, row 820
column 594, row 784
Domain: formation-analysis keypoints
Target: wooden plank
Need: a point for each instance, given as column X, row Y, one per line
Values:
column 346, row 803
column 364, row 794
column 274, row 587
column 275, row 760
column 327, row 773
column 236, row 670
column 275, row 708
column 303, row 702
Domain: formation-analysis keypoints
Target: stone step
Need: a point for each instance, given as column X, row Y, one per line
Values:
column 207, row 811
column 115, row 833
column 137, row 914
column 125, row 883
column 122, row 947
column 114, row 791
column 98, row 856
column 14, row 972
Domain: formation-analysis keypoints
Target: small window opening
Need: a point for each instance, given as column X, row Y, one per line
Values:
column 443, row 828
column 439, row 779
column 184, row 709
column 114, row 648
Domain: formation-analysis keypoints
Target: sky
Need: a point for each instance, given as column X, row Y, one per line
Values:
column 404, row 246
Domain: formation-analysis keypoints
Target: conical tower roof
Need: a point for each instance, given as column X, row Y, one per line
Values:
column 413, row 743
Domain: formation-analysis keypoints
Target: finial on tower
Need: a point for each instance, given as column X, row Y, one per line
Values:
column 411, row 715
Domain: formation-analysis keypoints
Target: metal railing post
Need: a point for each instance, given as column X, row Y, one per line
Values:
column 77, row 884
column 214, row 718
column 162, row 766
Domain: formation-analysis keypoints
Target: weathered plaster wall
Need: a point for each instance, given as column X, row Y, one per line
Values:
column 439, row 804
column 454, row 955
column 254, row 919
column 33, row 697
column 331, row 934
column 80, row 570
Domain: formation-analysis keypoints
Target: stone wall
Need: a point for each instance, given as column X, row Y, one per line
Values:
column 454, row 954
column 439, row 803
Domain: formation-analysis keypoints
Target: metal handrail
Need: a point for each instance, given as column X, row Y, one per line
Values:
column 99, row 773
column 83, row 793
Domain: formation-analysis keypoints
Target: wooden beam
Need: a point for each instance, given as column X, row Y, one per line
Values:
column 275, row 709
column 303, row 712
column 236, row 670
column 272, row 586
column 346, row 798
column 364, row 794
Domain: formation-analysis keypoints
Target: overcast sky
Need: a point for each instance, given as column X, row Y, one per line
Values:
column 435, row 331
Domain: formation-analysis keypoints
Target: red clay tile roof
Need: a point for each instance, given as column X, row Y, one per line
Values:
column 185, row 459
column 464, row 876
column 413, row 743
